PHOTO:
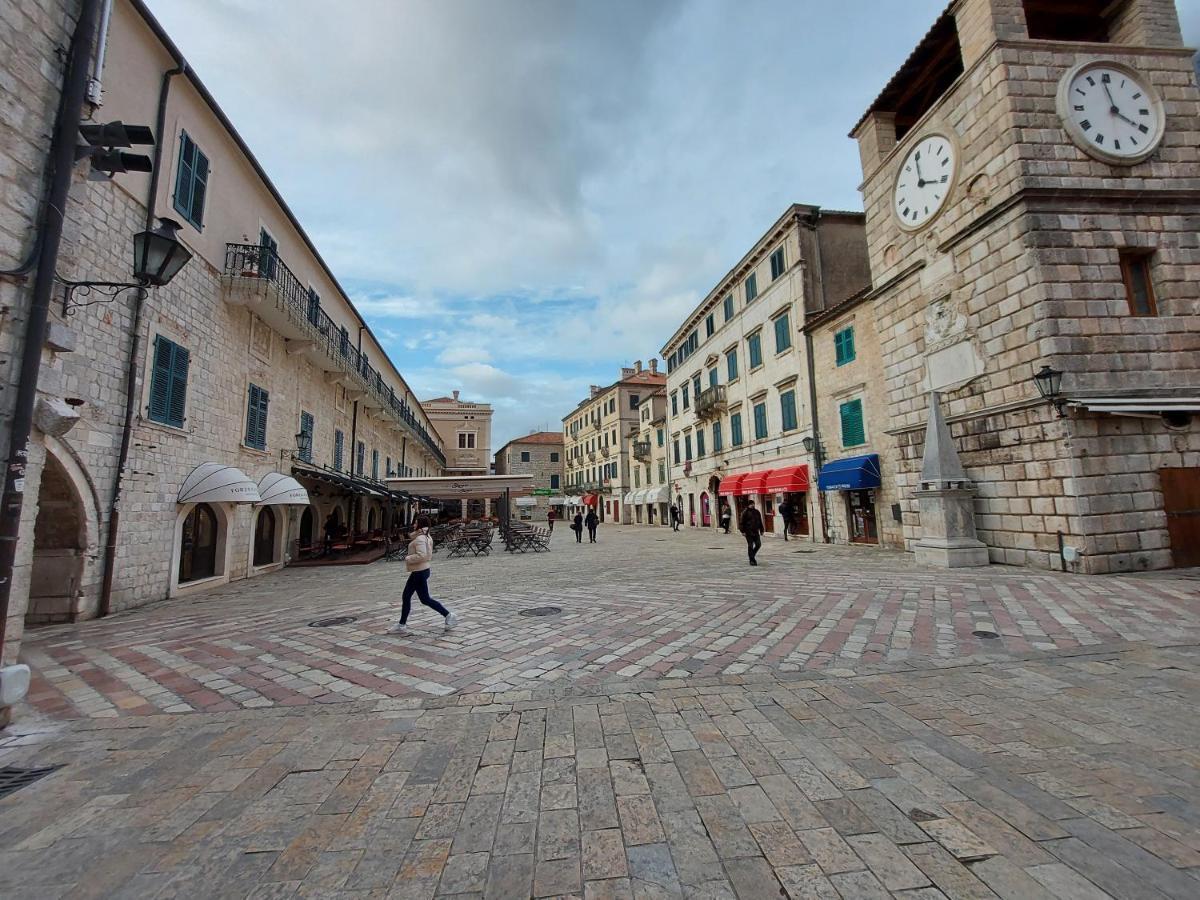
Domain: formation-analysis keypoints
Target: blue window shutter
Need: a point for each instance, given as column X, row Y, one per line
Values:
column 306, row 427
column 251, row 416
column 183, row 178
column 339, row 449
column 199, row 188
column 177, row 403
column 853, row 433
column 160, row 379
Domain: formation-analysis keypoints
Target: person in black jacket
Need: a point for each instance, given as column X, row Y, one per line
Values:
column 751, row 524
column 592, row 521
column 577, row 527
column 785, row 513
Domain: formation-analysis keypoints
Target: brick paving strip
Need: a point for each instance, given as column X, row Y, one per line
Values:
column 679, row 605
column 1075, row 774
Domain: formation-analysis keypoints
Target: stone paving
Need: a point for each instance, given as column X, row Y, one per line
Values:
column 642, row 602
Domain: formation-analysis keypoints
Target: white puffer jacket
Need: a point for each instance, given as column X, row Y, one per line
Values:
column 420, row 552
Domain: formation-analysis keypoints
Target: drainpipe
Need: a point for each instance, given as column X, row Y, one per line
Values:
column 95, row 90
column 135, row 346
column 62, row 161
column 810, row 223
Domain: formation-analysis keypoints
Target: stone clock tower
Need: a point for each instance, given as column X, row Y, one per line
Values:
column 1031, row 180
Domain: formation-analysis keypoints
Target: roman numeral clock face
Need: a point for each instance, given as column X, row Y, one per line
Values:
column 924, row 181
column 1111, row 112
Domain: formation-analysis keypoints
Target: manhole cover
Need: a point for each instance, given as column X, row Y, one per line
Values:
column 985, row 634
column 13, row 779
column 541, row 611
column 329, row 623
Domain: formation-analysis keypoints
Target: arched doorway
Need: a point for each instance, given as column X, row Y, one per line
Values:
column 59, row 542
column 306, row 527
column 198, row 544
column 265, row 527
column 371, row 519
column 705, row 511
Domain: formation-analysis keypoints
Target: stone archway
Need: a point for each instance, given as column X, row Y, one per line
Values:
column 60, row 543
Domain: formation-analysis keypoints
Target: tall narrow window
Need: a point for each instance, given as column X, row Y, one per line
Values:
column 360, row 458
column 1139, row 289
column 760, row 421
column 339, row 449
column 256, row 418
column 735, row 430
column 699, row 443
column 687, row 447
column 843, row 345
column 751, row 287
column 553, row 481
column 168, row 383
column 191, row 181
column 776, row 263
column 660, row 437
column 783, row 333
column 674, row 403
column 375, row 464
column 314, row 307
column 755, row 342
column 712, row 378
column 731, row 365
column 787, row 407
column 696, row 387
column 675, row 449
column 853, row 432
column 685, row 397
column 306, row 427
column 728, row 304
column 710, row 324
column 268, row 253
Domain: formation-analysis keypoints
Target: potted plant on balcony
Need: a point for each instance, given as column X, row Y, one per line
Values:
column 249, row 260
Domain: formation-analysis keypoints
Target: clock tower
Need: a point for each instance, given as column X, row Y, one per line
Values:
column 1031, row 182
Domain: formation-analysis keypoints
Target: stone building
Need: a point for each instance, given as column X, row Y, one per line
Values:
column 1031, row 181
column 739, row 382
column 539, row 454
column 260, row 403
column 594, row 440
column 650, row 488
column 465, row 429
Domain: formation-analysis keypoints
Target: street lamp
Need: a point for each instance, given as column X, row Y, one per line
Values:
column 158, row 255
column 1049, row 386
column 807, row 443
column 303, row 448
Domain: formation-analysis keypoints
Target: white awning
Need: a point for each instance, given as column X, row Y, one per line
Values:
column 214, row 483
column 658, row 495
column 559, row 501
column 1148, row 407
column 631, row 497
column 277, row 489
column 471, row 487
column 639, row 497
column 525, row 501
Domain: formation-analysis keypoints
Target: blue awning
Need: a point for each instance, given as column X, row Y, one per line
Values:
column 855, row 473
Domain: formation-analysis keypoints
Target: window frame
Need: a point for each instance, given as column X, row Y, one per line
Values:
column 841, row 338
column 784, row 396
column 786, row 319
column 862, row 421
column 173, row 383
column 754, row 348
column 750, row 287
column 778, row 254
column 253, row 411
column 761, row 433
column 727, row 306
column 710, row 325
column 736, row 438
column 1128, row 258
column 188, row 213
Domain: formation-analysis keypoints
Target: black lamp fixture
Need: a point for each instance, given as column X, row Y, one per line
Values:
column 158, row 255
column 1049, row 386
column 807, row 443
column 303, row 448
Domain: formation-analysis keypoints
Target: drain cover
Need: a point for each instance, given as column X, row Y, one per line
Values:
column 13, row 779
column 541, row 611
column 985, row 634
column 329, row 623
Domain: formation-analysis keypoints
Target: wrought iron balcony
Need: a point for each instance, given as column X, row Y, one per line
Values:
column 641, row 451
column 257, row 278
column 711, row 402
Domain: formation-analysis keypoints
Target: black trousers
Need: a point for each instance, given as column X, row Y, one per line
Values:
column 753, row 544
column 579, row 535
column 418, row 583
column 726, row 527
column 592, row 534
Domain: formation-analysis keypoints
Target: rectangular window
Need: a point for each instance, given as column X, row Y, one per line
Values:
column 710, row 325
column 783, row 333
column 751, row 287
column 306, row 427
column 553, row 457
column 728, row 307
column 853, row 433
column 674, row 404
column 256, row 418
column 1139, row 289
column 755, row 342
column 314, row 307
column 360, row 458
column 466, row 440
column 696, row 387
column 634, row 400
column 760, row 421
column 675, row 447
column 524, row 456
column 191, row 181
column 776, row 263
column 660, row 437
column 735, row 430
column 339, row 449
column 731, row 365
column 268, row 253
column 662, row 472
column 712, row 378
column 717, row 445
column 843, row 345
column 787, row 407
column 687, row 447
column 168, row 383
column 554, row 481
column 387, row 467
column 685, row 396
column 699, row 443
column 375, row 464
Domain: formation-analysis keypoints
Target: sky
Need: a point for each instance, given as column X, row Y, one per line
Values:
column 523, row 196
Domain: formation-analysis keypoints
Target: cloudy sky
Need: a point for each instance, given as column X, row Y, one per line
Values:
column 524, row 195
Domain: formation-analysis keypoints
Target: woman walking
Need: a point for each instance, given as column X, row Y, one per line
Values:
column 417, row 562
column 577, row 526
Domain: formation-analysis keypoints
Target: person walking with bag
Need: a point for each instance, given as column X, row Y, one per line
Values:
column 785, row 513
column 418, row 562
column 726, row 517
column 577, row 527
column 751, row 524
column 593, row 522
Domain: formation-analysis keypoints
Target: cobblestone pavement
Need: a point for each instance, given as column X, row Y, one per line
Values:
column 1071, row 775
column 643, row 602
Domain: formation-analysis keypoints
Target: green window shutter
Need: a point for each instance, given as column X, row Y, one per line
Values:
column 853, row 433
column 760, row 421
column 199, row 188
column 306, row 427
column 787, row 402
column 339, row 450
column 183, row 178
column 256, row 418
column 843, row 344
column 735, row 429
column 717, row 437
column 179, row 378
column 712, row 378
column 731, row 364
column 783, row 334
column 160, row 379
column 699, row 443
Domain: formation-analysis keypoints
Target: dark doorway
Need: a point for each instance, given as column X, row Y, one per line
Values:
column 306, row 527
column 861, row 512
column 198, row 544
column 264, row 537
column 58, row 548
column 1181, row 503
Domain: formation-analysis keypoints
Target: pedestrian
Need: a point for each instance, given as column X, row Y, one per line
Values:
column 785, row 513
column 577, row 527
column 751, row 524
column 550, row 519
column 592, row 521
column 417, row 562
column 726, row 517
column 331, row 530
column 676, row 515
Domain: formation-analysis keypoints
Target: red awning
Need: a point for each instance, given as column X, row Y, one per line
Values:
column 730, row 486
column 591, row 499
column 788, row 480
column 755, row 483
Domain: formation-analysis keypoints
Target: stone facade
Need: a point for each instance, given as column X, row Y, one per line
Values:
column 541, row 455
column 650, row 482
column 1022, row 268
column 595, row 437
column 808, row 260
column 271, row 320
column 466, row 432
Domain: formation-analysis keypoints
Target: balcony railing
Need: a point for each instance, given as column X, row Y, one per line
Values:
column 711, row 402
column 302, row 309
column 641, row 451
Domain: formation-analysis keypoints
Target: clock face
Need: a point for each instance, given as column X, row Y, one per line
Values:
column 1111, row 112
column 924, row 181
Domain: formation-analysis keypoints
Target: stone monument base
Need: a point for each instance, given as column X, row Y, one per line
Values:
column 948, row 528
column 963, row 553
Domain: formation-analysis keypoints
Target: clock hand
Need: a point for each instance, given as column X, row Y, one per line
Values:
column 1113, row 103
column 921, row 182
column 1127, row 119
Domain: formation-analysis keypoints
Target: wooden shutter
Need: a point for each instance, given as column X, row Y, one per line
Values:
column 184, row 177
column 160, row 379
column 178, row 390
column 306, row 427
column 256, row 418
column 199, row 186
column 852, row 424
column 339, row 449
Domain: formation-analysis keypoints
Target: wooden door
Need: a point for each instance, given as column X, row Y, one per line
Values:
column 1181, row 503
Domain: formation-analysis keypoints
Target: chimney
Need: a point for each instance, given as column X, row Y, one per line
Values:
column 456, row 395
column 626, row 372
column 595, row 389
column 637, row 367
column 654, row 365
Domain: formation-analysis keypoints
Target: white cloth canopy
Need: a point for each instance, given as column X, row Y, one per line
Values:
column 214, row 483
column 631, row 497
column 525, row 501
column 559, row 501
column 658, row 495
column 277, row 489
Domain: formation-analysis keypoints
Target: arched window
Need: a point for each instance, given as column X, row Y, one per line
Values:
column 198, row 544
column 264, row 537
column 306, row 527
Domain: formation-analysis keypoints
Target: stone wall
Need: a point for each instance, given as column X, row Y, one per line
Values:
column 541, row 467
